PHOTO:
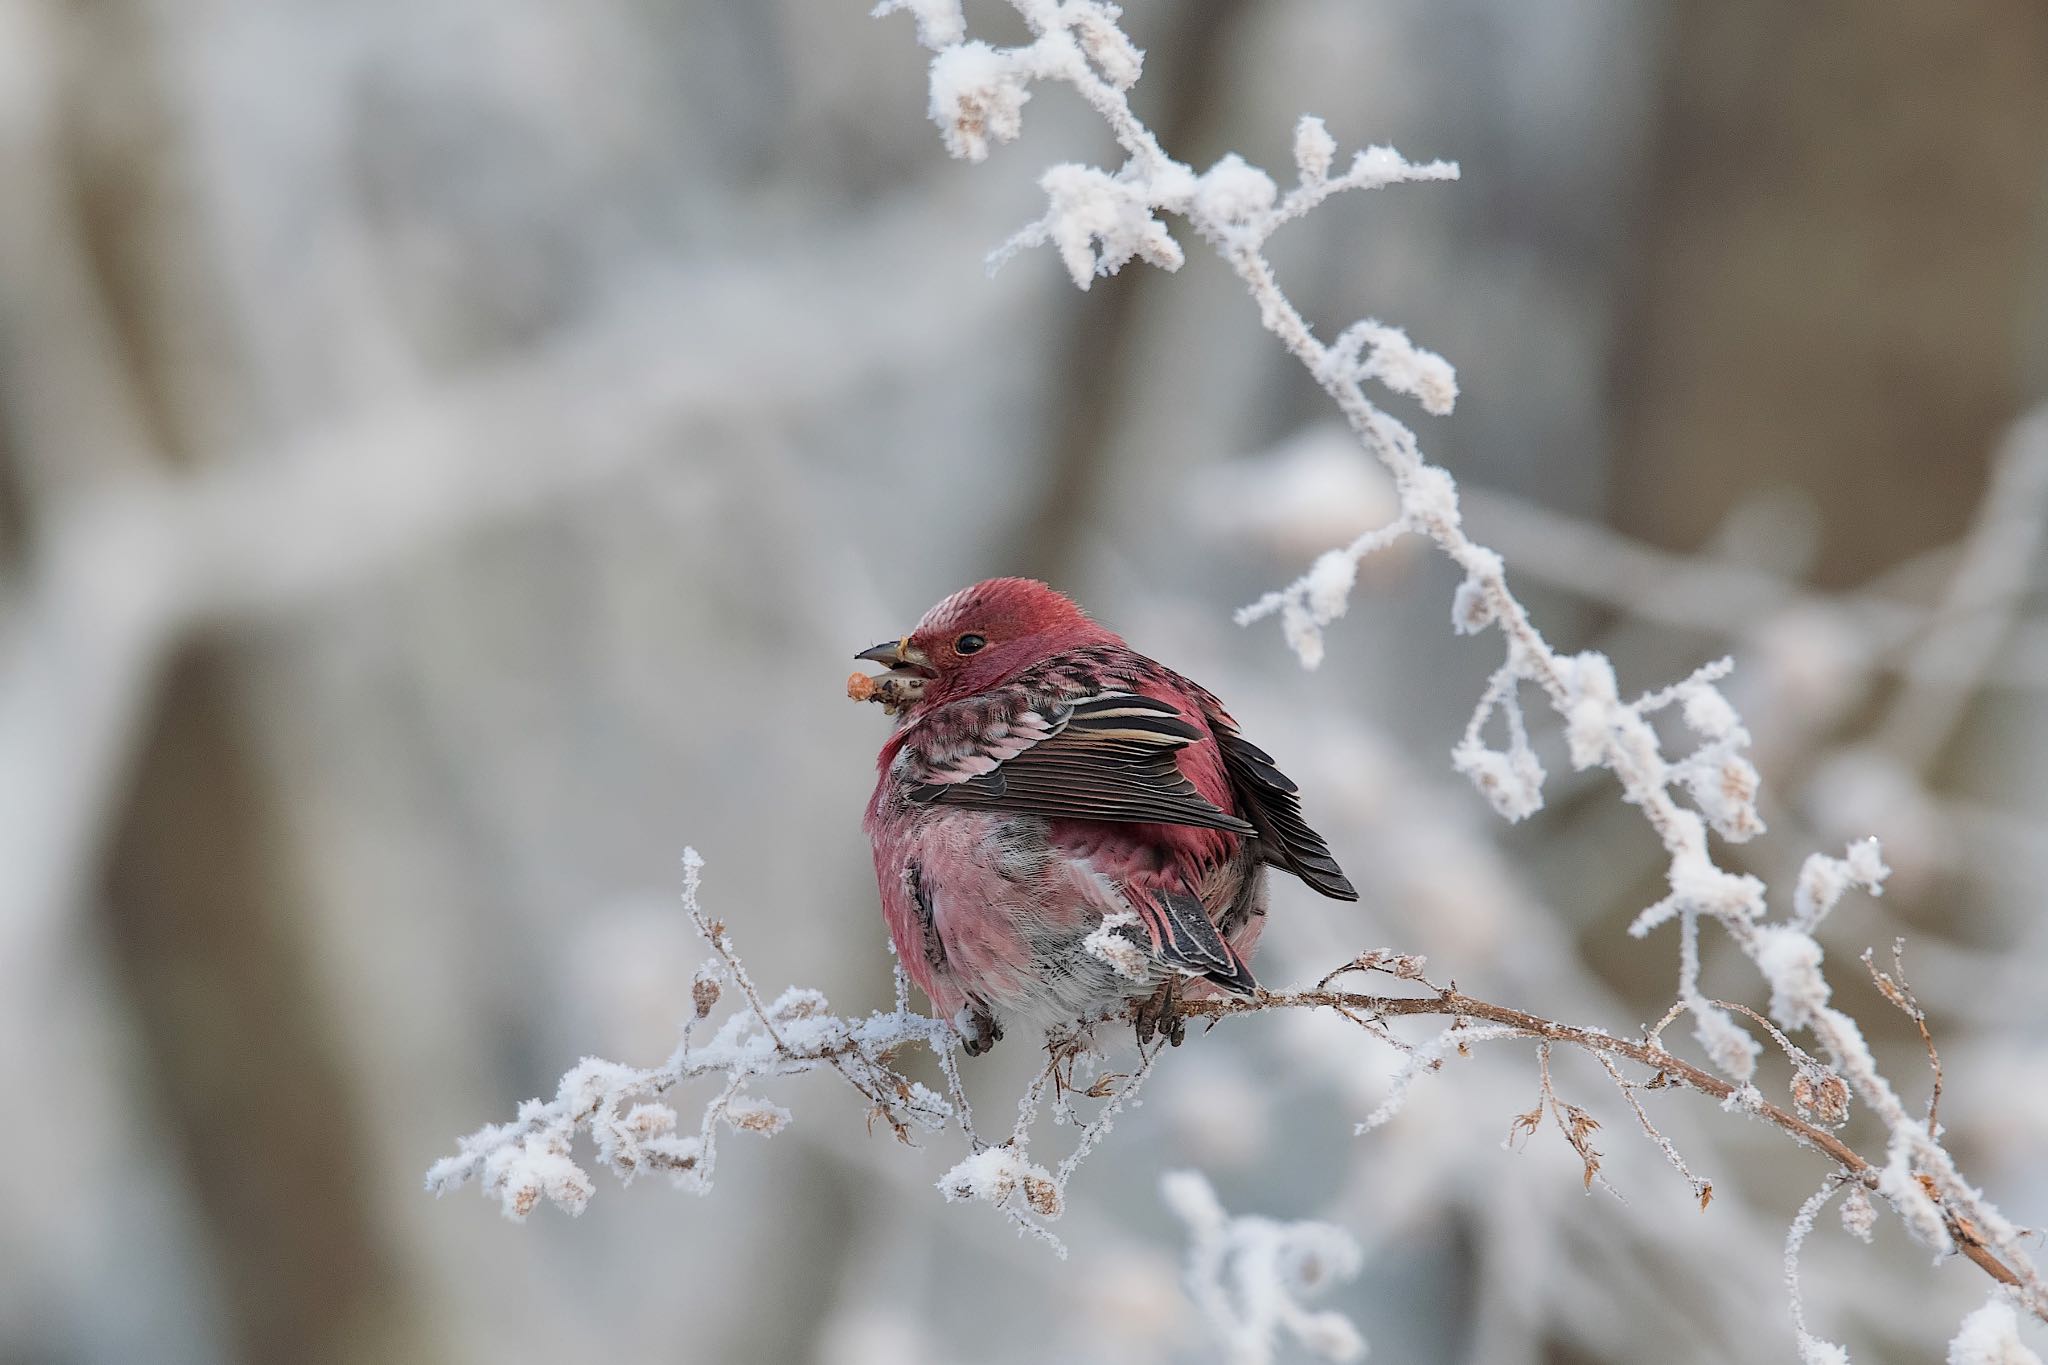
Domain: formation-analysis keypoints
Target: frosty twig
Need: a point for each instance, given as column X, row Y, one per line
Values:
column 1100, row 220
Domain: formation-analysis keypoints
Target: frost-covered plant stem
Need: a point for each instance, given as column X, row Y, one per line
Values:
column 1249, row 1274
column 621, row 1108
column 622, row 1111
column 1668, row 1070
column 1098, row 221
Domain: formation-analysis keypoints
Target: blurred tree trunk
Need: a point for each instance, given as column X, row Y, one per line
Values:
column 199, row 902
column 1187, row 58
column 201, row 919
column 1842, row 199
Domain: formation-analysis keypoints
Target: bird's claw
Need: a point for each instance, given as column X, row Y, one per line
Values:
column 1159, row 1013
column 978, row 1029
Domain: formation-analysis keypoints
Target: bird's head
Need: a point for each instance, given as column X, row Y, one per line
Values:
column 980, row 637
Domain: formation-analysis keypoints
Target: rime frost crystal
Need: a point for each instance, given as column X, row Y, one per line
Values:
column 1098, row 223
column 1823, row 881
column 1370, row 350
column 1248, row 1275
column 1109, row 944
column 1790, row 960
column 1314, row 150
column 999, row 1175
column 624, row 1115
column 978, row 96
column 633, row 1130
column 1900, row 1183
column 1235, row 194
column 1991, row 1336
column 1728, row 1045
column 1099, row 220
column 939, row 22
column 1512, row 780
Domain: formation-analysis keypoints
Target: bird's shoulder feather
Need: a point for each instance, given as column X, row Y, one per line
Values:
column 1083, row 735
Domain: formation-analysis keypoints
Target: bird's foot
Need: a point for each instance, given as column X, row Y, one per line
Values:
column 977, row 1028
column 1159, row 1013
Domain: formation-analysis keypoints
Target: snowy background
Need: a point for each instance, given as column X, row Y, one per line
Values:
column 449, row 453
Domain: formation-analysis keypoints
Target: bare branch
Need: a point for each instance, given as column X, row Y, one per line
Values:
column 1896, row 989
column 1957, row 1215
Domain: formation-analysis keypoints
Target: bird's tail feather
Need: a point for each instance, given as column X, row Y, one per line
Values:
column 1186, row 939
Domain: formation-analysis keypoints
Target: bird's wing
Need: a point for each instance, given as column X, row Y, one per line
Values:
column 1266, row 796
column 1186, row 938
column 1106, row 756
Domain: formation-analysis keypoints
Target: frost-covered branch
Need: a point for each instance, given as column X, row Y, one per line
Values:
column 633, row 1130
column 624, row 1115
column 1099, row 220
column 1248, row 1275
column 1954, row 1220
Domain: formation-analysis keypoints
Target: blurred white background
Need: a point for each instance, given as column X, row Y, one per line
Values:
column 449, row 452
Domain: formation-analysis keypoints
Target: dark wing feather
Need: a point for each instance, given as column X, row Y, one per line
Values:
column 1106, row 757
column 1266, row 796
column 1189, row 941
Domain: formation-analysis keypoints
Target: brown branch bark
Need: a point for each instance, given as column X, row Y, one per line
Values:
column 1453, row 1004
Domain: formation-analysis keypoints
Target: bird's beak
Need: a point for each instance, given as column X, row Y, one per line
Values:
column 900, row 656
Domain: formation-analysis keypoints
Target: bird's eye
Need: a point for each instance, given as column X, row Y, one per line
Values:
column 968, row 644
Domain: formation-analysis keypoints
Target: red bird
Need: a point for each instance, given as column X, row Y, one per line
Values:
column 1044, row 776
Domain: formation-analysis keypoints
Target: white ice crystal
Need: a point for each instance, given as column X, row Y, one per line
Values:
column 633, row 1129
column 1592, row 699
column 752, row 1114
column 977, row 96
column 1723, row 785
column 1708, row 713
column 1430, row 497
column 1991, row 1336
column 1314, row 149
column 1098, row 219
column 1329, row 585
column 1234, row 193
column 1109, row 944
column 998, row 1175
column 1790, row 960
column 1248, row 1275
column 1321, row 596
column 1859, row 1215
column 1098, row 223
column 939, row 22
column 1472, row 606
column 1823, row 881
column 1814, row 1351
column 1114, row 55
column 1698, row 886
column 1865, row 859
column 1899, row 1183
column 1303, row 633
column 991, row 1175
column 1821, row 885
column 1728, row 1045
column 1386, row 355
column 1512, row 781
column 533, row 1166
column 1327, row 592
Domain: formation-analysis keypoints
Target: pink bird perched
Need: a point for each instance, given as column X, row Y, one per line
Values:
column 1044, row 776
